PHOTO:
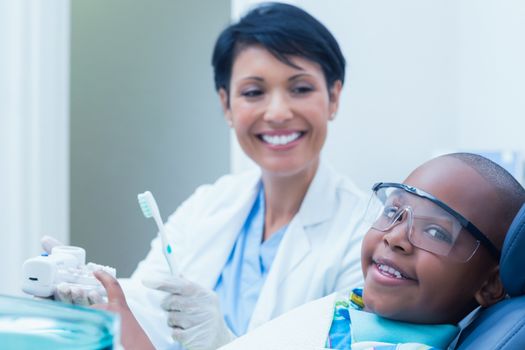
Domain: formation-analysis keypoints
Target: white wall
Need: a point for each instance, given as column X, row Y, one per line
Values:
column 144, row 116
column 492, row 71
column 423, row 76
column 34, row 153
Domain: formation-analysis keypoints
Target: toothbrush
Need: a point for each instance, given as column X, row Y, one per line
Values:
column 150, row 209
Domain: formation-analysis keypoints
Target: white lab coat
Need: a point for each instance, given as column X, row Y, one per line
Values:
column 304, row 328
column 307, row 327
column 319, row 253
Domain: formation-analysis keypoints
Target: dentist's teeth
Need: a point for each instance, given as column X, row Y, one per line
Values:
column 390, row 270
column 280, row 140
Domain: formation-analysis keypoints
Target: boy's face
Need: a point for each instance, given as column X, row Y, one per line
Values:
column 432, row 288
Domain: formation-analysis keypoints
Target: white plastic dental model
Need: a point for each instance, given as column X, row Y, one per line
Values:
column 65, row 264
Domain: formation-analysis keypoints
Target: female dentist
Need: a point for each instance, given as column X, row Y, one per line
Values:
column 255, row 245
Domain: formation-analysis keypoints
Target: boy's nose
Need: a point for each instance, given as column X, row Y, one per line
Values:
column 278, row 109
column 397, row 236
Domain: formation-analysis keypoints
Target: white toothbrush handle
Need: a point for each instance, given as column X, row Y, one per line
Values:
column 166, row 247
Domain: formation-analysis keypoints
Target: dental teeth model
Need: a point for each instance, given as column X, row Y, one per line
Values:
column 65, row 265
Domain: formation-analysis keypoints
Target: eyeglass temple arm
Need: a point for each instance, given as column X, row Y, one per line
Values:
column 483, row 240
column 464, row 222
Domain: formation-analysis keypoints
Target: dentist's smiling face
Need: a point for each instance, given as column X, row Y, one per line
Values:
column 279, row 112
column 406, row 283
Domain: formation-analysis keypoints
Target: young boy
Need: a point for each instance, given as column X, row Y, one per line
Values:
column 430, row 258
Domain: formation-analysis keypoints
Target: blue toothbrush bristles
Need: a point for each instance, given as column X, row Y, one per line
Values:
column 146, row 210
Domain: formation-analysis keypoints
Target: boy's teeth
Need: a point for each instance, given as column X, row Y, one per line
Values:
column 279, row 140
column 390, row 270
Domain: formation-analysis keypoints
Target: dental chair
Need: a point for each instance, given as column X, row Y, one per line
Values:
column 502, row 326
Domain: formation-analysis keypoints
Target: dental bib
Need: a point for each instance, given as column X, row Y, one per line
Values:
column 371, row 327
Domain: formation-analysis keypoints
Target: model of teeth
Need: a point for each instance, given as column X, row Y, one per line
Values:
column 280, row 140
column 390, row 270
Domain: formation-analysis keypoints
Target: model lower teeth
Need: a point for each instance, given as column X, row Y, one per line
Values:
column 280, row 140
column 390, row 270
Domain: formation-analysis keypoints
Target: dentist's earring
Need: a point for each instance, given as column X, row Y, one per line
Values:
column 230, row 123
column 332, row 117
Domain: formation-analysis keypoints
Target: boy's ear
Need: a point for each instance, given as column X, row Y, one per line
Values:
column 492, row 289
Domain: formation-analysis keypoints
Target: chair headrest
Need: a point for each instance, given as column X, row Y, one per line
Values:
column 512, row 262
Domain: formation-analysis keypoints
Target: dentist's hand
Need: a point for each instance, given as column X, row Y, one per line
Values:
column 48, row 243
column 193, row 314
column 132, row 335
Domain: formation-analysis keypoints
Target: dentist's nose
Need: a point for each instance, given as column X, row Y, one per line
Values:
column 278, row 108
column 397, row 236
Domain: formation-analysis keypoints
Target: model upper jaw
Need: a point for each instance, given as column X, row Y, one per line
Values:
column 280, row 138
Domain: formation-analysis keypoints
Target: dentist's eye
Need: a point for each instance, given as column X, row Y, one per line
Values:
column 252, row 93
column 302, row 89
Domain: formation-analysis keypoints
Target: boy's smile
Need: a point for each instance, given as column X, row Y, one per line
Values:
column 404, row 282
column 389, row 273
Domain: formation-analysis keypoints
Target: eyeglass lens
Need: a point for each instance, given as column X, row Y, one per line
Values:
column 428, row 226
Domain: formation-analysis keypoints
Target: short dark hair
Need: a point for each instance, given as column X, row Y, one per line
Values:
column 284, row 30
column 508, row 188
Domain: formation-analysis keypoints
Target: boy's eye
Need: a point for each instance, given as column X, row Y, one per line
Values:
column 390, row 211
column 439, row 234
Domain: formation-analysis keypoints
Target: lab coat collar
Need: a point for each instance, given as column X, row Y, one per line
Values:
column 296, row 244
column 311, row 211
column 226, row 227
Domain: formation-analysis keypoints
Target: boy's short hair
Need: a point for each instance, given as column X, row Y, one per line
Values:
column 284, row 30
column 507, row 187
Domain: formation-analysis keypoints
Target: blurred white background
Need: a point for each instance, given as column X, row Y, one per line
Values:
column 423, row 77
column 103, row 99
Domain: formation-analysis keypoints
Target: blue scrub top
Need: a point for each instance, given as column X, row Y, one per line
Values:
column 243, row 276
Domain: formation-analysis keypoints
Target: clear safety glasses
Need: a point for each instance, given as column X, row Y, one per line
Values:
column 430, row 224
